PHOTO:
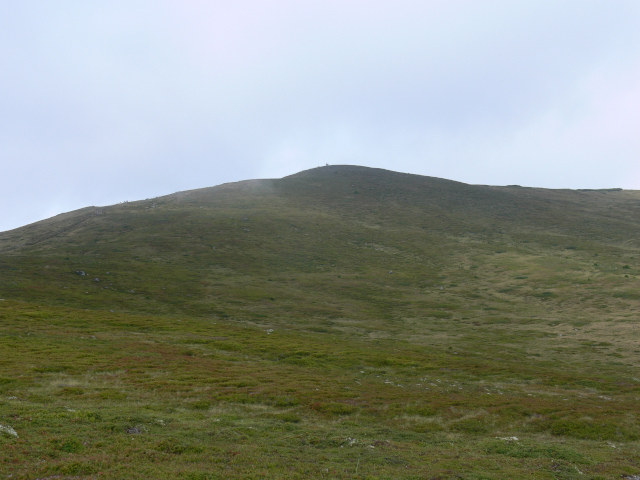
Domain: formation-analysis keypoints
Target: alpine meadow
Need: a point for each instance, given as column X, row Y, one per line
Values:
column 340, row 323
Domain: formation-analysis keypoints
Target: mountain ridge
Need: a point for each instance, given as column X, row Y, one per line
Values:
column 335, row 185
column 321, row 223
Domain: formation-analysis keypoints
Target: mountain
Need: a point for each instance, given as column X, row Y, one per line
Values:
column 321, row 240
column 480, row 305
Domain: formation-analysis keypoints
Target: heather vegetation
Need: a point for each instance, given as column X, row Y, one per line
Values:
column 343, row 322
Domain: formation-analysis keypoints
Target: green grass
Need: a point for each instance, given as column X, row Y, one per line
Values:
column 293, row 329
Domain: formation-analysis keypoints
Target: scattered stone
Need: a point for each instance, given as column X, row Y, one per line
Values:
column 138, row 429
column 6, row 429
column 96, row 279
column 80, row 272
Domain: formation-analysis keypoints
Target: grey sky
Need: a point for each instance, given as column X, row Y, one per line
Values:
column 106, row 101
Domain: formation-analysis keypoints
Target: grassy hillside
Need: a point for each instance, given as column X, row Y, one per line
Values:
column 343, row 322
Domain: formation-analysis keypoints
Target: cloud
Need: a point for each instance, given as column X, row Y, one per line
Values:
column 106, row 101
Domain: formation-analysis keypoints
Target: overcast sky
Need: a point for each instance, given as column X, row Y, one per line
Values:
column 106, row 101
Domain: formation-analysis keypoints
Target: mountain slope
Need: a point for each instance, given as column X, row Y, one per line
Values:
column 343, row 322
column 235, row 246
column 345, row 249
